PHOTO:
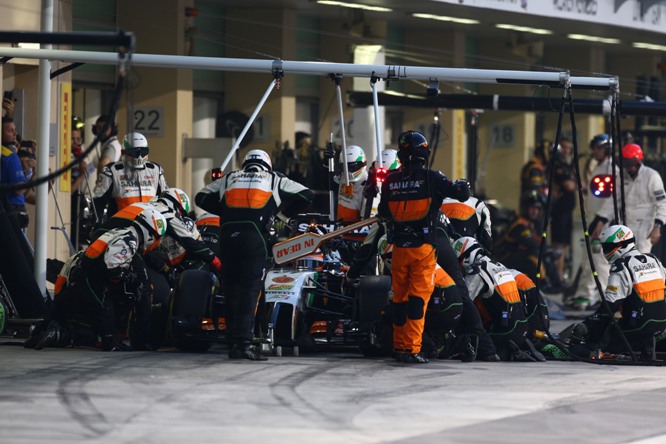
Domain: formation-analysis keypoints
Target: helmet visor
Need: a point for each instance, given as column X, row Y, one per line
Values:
column 136, row 152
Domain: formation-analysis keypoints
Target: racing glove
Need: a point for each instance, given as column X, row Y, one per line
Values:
column 216, row 264
column 329, row 151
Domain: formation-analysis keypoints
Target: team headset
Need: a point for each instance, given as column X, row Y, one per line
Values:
column 114, row 128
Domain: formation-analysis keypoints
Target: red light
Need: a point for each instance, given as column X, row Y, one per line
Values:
column 602, row 185
column 380, row 175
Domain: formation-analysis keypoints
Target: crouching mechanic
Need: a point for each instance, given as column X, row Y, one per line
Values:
column 410, row 200
column 247, row 202
column 495, row 292
column 635, row 289
column 182, row 238
column 107, row 282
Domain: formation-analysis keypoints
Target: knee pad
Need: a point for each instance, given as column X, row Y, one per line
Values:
column 415, row 308
column 400, row 313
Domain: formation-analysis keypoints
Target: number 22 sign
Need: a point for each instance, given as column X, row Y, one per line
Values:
column 149, row 121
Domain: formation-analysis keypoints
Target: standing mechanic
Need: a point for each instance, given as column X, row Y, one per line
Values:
column 133, row 179
column 410, row 201
column 247, row 202
column 645, row 202
column 599, row 182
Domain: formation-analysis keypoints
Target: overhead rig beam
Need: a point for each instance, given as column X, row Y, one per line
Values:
column 497, row 102
column 386, row 72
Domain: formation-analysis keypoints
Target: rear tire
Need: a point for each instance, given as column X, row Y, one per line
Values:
column 373, row 296
column 192, row 299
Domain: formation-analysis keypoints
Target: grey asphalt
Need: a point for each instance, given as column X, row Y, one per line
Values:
column 75, row 395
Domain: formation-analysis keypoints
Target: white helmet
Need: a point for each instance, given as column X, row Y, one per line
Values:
column 257, row 160
column 616, row 240
column 390, row 159
column 177, row 200
column 147, row 219
column 468, row 250
column 356, row 162
column 385, row 250
column 135, row 149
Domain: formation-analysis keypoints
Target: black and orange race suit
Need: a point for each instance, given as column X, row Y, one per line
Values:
column 247, row 202
column 519, row 247
column 410, row 201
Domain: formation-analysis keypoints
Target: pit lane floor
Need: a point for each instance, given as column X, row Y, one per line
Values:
column 74, row 395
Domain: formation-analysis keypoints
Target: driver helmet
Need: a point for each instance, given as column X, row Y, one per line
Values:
column 135, row 150
column 390, row 159
column 385, row 251
column 468, row 251
column 257, row 160
column 356, row 162
column 616, row 241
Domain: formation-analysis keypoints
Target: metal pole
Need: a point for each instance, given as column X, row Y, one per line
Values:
column 389, row 72
column 345, row 169
column 248, row 124
column 375, row 102
column 44, row 107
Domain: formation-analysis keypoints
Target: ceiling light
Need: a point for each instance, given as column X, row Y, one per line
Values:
column 354, row 5
column 445, row 18
column 29, row 45
column 591, row 38
column 652, row 46
column 524, row 29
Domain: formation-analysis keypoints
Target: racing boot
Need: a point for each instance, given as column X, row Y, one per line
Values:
column 113, row 343
column 414, row 358
column 35, row 335
column 532, row 351
column 246, row 351
column 53, row 336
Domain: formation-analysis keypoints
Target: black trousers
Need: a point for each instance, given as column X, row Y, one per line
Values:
column 244, row 255
column 470, row 321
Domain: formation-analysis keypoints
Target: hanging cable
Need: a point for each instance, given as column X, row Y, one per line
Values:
column 586, row 233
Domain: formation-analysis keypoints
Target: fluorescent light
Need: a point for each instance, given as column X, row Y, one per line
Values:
column 445, row 18
column 591, row 38
column 354, row 5
column 524, row 29
column 652, row 46
column 29, row 45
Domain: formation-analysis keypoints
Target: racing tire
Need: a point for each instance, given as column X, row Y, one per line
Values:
column 373, row 296
column 194, row 292
column 159, row 315
column 191, row 301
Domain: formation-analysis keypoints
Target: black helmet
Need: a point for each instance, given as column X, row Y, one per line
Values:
column 412, row 145
column 531, row 198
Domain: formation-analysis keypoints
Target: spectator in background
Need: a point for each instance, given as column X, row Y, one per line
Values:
column 11, row 173
column 533, row 173
column 109, row 149
column 9, row 134
column 563, row 195
column 7, row 107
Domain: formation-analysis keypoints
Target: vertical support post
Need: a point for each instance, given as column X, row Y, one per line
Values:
column 375, row 103
column 44, row 107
